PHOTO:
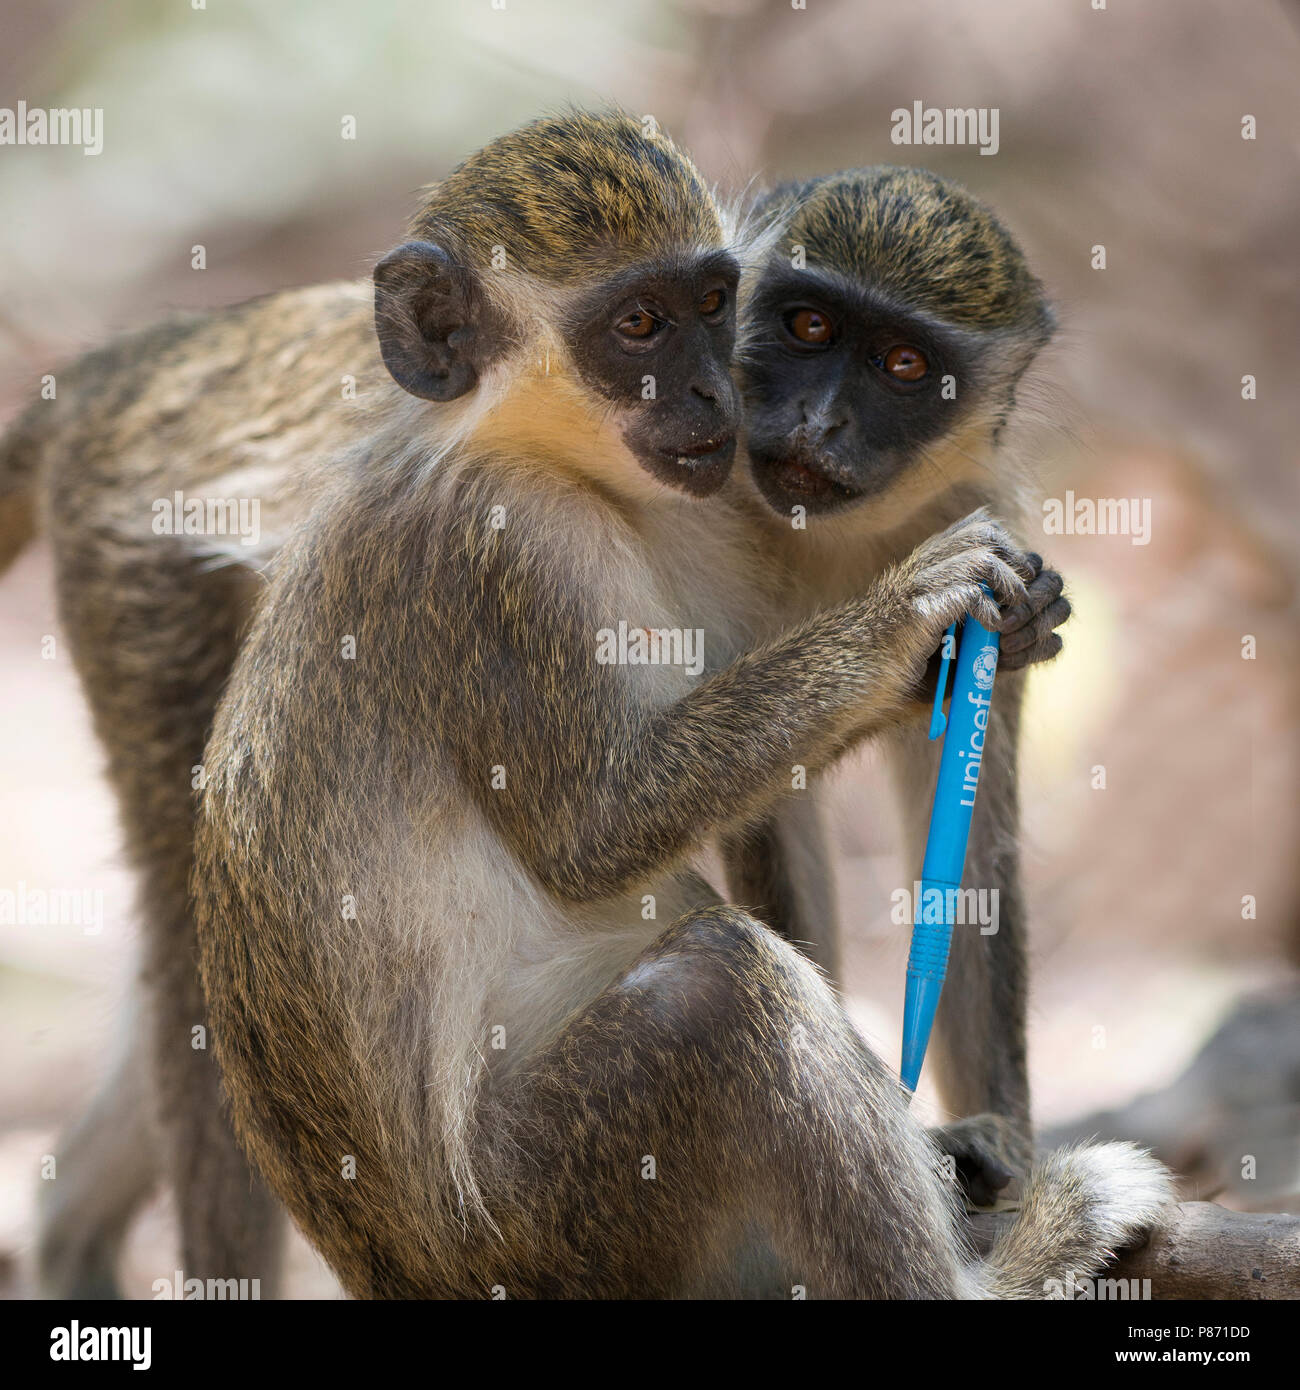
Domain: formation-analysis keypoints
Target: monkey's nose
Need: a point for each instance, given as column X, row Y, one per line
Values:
column 720, row 408
column 817, row 424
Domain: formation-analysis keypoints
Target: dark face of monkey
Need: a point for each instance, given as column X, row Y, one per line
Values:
column 911, row 309
column 589, row 229
column 656, row 341
column 843, row 391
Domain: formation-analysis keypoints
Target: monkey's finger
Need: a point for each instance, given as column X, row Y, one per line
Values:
column 1037, row 628
column 1022, row 563
column 1039, row 593
column 1050, row 646
column 981, row 607
column 1025, row 563
column 957, row 599
column 1049, row 585
column 1008, row 587
column 996, row 538
column 970, row 533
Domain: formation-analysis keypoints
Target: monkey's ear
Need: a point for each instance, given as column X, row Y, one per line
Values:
column 429, row 314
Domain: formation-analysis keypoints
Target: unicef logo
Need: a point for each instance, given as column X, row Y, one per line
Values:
column 986, row 664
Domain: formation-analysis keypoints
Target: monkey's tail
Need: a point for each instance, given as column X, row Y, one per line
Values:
column 1080, row 1206
column 20, row 453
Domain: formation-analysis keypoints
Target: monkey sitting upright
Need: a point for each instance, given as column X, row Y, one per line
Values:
column 884, row 335
column 480, row 1027
column 155, row 630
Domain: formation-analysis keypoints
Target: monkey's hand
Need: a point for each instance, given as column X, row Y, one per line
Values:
column 940, row 582
column 1027, row 627
column 988, row 1152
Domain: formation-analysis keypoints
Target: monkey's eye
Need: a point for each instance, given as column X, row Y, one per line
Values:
column 904, row 363
column 713, row 303
column 638, row 324
column 810, row 326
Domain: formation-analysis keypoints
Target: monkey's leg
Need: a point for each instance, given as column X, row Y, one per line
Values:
column 715, row 1089
column 154, row 638
column 780, row 870
column 978, row 1048
column 106, row 1166
column 230, row 1226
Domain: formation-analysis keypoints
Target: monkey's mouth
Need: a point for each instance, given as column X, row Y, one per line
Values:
column 699, row 468
column 723, row 448
column 788, row 480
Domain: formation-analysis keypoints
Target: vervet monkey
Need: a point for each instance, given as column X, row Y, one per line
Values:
column 884, row 336
column 481, row 1026
column 224, row 355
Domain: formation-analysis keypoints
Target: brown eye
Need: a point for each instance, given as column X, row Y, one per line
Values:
column 905, row 363
column 638, row 324
column 810, row 326
column 713, row 303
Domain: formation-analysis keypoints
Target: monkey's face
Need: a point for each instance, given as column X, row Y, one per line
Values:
column 655, row 341
column 844, row 392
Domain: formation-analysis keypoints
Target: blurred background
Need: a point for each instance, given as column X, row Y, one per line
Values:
column 1119, row 127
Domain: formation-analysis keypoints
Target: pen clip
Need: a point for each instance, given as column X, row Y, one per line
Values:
column 938, row 720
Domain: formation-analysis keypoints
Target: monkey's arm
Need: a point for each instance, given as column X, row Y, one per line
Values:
column 600, row 789
column 779, row 867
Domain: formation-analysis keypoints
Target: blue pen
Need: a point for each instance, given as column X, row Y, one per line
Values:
column 945, row 847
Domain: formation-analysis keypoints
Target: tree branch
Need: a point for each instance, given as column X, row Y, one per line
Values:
column 1207, row 1251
